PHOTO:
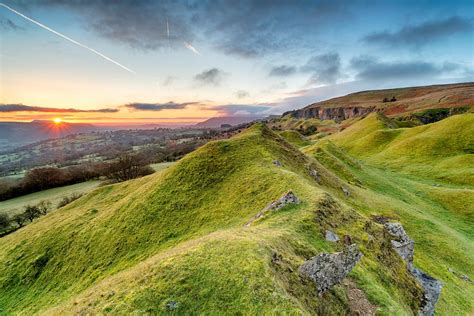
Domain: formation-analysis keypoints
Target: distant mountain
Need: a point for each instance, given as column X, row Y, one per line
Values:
column 215, row 122
column 20, row 133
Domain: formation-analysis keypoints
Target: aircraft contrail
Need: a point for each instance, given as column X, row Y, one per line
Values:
column 167, row 27
column 191, row 48
column 67, row 38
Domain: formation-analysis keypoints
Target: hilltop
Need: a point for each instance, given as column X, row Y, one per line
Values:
column 211, row 234
column 393, row 103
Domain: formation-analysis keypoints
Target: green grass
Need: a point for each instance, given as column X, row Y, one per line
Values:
column 179, row 236
column 295, row 138
column 16, row 205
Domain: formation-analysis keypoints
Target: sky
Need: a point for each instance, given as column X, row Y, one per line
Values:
column 168, row 62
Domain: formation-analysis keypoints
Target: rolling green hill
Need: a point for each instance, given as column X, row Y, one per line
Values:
column 176, row 242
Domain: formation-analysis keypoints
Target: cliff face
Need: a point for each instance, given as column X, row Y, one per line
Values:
column 336, row 113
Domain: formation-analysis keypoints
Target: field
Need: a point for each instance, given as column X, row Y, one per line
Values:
column 16, row 205
column 175, row 241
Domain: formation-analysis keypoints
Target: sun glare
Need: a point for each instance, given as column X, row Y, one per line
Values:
column 57, row 120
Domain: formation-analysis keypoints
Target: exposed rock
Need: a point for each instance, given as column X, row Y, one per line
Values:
column 315, row 175
column 172, row 305
column 330, row 236
column 404, row 246
column 346, row 191
column 465, row 278
column 277, row 163
column 432, row 290
column 347, row 240
column 327, row 270
column 288, row 198
column 331, row 113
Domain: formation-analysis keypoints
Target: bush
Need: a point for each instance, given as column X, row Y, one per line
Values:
column 4, row 222
column 128, row 167
column 19, row 219
column 68, row 199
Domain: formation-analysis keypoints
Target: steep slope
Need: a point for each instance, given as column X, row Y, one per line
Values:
column 398, row 102
column 177, row 241
column 443, row 150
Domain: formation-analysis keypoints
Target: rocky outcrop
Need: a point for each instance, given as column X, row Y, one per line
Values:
column 288, row 198
column 329, row 269
column 331, row 113
column 404, row 246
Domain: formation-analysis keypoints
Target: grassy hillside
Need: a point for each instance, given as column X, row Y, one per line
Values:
column 443, row 150
column 408, row 100
column 176, row 241
column 294, row 138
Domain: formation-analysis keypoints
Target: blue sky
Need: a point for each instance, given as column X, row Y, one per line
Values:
column 254, row 57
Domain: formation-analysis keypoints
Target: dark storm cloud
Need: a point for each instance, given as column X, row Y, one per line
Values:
column 370, row 68
column 325, row 68
column 211, row 77
column 421, row 34
column 26, row 108
column 282, row 71
column 245, row 28
column 158, row 106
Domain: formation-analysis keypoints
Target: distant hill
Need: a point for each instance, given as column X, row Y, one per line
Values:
column 215, row 122
column 20, row 133
column 391, row 102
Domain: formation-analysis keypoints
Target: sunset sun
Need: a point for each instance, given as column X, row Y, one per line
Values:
column 57, row 120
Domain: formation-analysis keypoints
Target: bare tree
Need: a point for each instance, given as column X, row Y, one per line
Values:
column 19, row 219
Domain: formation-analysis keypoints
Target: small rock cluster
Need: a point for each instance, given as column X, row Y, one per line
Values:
column 327, row 270
column 288, row 198
column 404, row 246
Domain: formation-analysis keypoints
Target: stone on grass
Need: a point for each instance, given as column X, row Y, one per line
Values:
column 329, row 269
column 330, row 236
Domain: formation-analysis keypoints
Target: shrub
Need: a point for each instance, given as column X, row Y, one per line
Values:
column 68, row 199
column 4, row 221
column 19, row 219
column 128, row 167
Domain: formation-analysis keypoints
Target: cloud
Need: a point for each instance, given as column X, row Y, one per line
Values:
column 282, row 71
column 242, row 94
column 158, row 106
column 211, row 77
column 26, row 108
column 238, row 109
column 244, row 28
column 9, row 25
column 420, row 34
column 325, row 68
column 370, row 68
column 169, row 80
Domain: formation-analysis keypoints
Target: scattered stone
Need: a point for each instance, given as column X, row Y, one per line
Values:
column 465, row 278
column 172, row 305
column 315, row 174
column 437, row 185
column 451, row 270
column 330, row 236
column 432, row 290
column 404, row 246
column 346, row 191
column 327, row 270
column 277, row 163
column 276, row 258
column 288, row 198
